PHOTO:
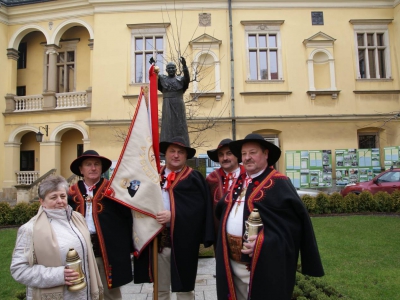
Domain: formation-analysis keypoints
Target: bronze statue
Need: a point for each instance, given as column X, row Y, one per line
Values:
column 173, row 122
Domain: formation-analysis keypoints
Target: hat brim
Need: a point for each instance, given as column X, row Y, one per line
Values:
column 105, row 163
column 274, row 153
column 190, row 151
column 213, row 154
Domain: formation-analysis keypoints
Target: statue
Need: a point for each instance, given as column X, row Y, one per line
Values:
column 173, row 121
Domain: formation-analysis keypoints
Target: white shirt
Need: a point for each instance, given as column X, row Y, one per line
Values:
column 89, row 211
column 234, row 224
column 236, row 175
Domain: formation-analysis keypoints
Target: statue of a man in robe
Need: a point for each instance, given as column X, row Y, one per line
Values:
column 173, row 122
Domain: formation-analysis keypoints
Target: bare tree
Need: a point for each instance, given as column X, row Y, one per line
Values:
column 200, row 119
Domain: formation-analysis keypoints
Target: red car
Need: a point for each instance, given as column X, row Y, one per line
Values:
column 388, row 181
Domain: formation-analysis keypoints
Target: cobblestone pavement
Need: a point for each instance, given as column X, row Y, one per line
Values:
column 205, row 284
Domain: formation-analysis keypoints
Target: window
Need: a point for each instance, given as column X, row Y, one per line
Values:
column 27, row 160
column 263, row 50
column 390, row 177
column 79, row 150
column 263, row 56
column 372, row 49
column 368, row 140
column 65, row 71
column 371, row 54
column 66, row 67
column 22, row 51
column 148, row 40
column 145, row 48
column 21, row 90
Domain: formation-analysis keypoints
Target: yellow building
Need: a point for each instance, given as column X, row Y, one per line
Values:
column 307, row 75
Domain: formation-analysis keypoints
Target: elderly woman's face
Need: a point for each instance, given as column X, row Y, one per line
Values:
column 55, row 200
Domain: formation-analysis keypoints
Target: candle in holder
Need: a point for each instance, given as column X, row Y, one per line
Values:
column 74, row 262
column 253, row 225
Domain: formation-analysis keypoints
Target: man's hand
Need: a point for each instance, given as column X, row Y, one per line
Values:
column 249, row 245
column 152, row 61
column 163, row 217
column 183, row 61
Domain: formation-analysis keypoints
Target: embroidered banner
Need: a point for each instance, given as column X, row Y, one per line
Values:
column 135, row 181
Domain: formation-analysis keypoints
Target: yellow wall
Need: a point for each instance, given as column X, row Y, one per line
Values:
column 107, row 69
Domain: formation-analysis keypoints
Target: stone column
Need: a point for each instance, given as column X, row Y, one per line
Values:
column 52, row 71
column 91, row 44
column 49, row 96
column 50, row 156
column 11, row 163
column 10, row 103
column 12, row 56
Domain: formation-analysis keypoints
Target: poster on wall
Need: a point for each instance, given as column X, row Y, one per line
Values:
column 391, row 157
column 309, row 168
column 356, row 165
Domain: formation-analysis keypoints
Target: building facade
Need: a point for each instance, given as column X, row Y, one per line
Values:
column 307, row 75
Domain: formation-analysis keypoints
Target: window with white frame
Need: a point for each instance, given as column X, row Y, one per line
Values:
column 263, row 50
column 66, row 67
column 148, row 40
column 372, row 50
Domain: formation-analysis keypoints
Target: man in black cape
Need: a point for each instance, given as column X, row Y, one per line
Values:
column 263, row 266
column 188, row 222
column 109, row 222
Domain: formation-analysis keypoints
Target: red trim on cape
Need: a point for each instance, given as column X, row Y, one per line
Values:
column 79, row 199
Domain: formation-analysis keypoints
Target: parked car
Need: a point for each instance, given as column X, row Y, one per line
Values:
column 310, row 192
column 387, row 181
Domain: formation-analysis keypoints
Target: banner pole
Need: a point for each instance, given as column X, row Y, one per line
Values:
column 155, row 268
column 155, row 135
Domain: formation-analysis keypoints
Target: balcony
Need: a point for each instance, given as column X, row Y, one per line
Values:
column 48, row 101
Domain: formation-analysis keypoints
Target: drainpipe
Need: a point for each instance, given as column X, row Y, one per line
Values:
column 232, row 74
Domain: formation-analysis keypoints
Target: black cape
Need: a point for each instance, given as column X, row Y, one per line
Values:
column 113, row 223
column 287, row 231
column 191, row 225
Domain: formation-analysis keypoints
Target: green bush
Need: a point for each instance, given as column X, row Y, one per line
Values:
column 366, row 202
column 33, row 209
column 310, row 203
column 336, row 203
column 5, row 213
column 396, row 200
column 322, row 202
column 20, row 213
column 384, row 202
column 307, row 288
column 350, row 203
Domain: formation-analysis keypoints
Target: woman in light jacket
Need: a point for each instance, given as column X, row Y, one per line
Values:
column 43, row 242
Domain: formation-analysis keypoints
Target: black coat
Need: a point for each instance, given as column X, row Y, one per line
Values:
column 287, row 231
column 191, row 225
column 113, row 223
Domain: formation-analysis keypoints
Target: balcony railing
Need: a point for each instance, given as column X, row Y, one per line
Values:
column 71, row 100
column 37, row 102
column 27, row 192
column 27, row 177
column 28, row 103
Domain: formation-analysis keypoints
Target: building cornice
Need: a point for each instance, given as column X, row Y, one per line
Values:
column 62, row 9
column 371, row 21
column 48, row 11
column 266, row 118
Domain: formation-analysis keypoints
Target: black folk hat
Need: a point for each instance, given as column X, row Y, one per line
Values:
column 213, row 154
column 105, row 162
column 273, row 151
column 177, row 140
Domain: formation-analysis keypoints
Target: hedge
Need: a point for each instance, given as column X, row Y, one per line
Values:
column 365, row 202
